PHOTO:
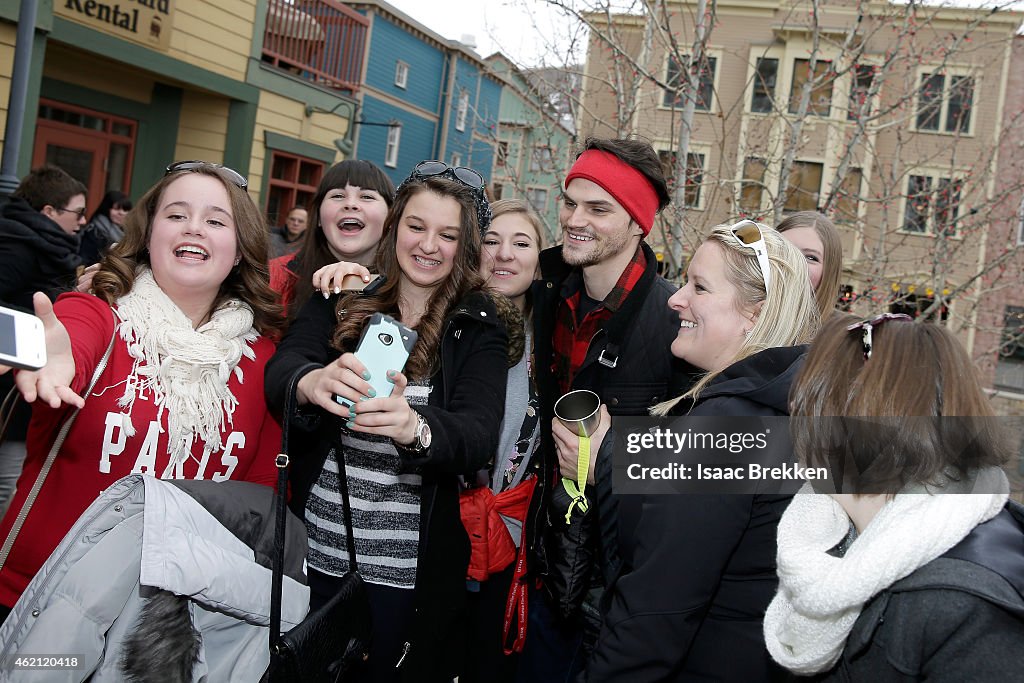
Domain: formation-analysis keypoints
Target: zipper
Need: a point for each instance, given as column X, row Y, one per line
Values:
column 406, row 646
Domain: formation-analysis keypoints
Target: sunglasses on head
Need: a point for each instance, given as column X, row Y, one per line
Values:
column 748, row 233
column 866, row 326
column 231, row 174
column 463, row 174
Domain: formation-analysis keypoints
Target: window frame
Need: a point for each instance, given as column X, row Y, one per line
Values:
column 842, row 195
column 401, row 74
column 501, row 154
column 748, row 182
column 1011, row 337
column 935, row 177
column 392, row 145
column 948, row 73
column 669, row 155
column 714, row 57
column 541, row 162
column 794, row 99
column 854, row 89
column 289, row 188
column 770, row 94
column 790, row 192
column 530, row 189
column 462, row 113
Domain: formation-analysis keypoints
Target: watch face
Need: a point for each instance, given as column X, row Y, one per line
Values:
column 425, row 435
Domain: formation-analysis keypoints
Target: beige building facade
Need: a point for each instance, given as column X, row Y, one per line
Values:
column 894, row 121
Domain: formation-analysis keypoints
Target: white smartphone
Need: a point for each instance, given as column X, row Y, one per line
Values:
column 384, row 345
column 22, row 343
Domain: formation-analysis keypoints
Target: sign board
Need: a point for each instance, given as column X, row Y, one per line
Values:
column 147, row 22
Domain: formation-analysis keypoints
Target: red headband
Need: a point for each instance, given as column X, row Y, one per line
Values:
column 628, row 186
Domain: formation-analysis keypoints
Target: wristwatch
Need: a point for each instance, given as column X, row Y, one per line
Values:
column 422, row 441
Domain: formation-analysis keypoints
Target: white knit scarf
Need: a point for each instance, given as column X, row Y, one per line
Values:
column 820, row 596
column 186, row 370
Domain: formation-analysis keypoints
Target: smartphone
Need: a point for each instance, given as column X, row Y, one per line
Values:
column 354, row 283
column 385, row 345
column 22, row 343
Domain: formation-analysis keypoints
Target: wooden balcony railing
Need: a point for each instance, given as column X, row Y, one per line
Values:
column 319, row 40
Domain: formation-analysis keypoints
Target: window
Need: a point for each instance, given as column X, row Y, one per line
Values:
column 804, row 186
column 914, row 305
column 501, row 154
column 497, row 190
column 821, row 86
column 932, row 205
column 401, row 74
column 1020, row 224
column 456, row 159
column 944, row 103
column 694, row 175
column 763, row 100
column 752, row 185
column 848, row 195
column 1010, row 366
column 677, row 78
column 460, row 117
column 540, row 159
column 293, row 182
column 861, row 77
column 538, row 198
column 391, row 150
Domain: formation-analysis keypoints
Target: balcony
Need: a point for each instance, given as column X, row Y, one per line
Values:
column 321, row 41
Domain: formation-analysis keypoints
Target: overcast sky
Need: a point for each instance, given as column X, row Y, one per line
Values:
column 530, row 31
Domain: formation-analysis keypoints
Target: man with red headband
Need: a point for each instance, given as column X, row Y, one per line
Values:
column 601, row 322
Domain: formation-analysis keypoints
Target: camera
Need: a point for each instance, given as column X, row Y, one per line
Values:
column 385, row 338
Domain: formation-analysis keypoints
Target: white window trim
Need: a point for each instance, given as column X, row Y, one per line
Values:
column 947, row 71
column 766, row 179
column 802, row 160
column 463, row 111
column 846, row 82
column 935, row 174
column 455, row 160
column 401, row 74
column 497, row 153
column 756, row 53
column 1020, row 224
column 715, row 80
column 547, row 197
column 705, row 151
column 391, row 146
column 535, row 153
column 790, row 72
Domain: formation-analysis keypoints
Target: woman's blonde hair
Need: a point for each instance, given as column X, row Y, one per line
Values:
column 503, row 207
column 789, row 312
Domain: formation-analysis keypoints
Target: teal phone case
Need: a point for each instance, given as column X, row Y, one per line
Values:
column 385, row 345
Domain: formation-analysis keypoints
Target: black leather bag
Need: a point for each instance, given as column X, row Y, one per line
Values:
column 325, row 645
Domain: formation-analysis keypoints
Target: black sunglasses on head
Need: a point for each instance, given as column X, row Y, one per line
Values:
column 232, row 175
column 463, row 174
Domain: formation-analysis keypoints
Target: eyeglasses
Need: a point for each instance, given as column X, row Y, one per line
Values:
column 232, row 175
column 463, row 174
column 748, row 233
column 868, row 325
column 78, row 212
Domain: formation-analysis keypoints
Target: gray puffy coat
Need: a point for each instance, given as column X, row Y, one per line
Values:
column 161, row 581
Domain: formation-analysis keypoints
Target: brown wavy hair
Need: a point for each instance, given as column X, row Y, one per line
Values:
column 354, row 309
column 913, row 413
column 249, row 281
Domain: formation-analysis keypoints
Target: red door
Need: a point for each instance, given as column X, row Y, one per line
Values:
column 82, row 156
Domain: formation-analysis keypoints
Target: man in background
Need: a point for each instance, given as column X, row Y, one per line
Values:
column 288, row 238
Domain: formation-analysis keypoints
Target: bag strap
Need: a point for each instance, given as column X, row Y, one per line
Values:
column 33, row 493
column 10, row 405
column 280, row 516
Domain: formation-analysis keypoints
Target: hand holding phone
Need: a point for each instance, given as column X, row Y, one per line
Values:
column 384, row 345
column 52, row 382
column 22, row 341
column 344, row 276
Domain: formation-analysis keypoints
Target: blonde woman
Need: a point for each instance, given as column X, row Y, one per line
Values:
column 691, row 575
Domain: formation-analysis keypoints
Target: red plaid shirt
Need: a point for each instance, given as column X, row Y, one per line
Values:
column 571, row 340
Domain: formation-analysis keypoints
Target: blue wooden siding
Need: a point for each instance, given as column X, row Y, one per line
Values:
column 388, row 44
column 416, row 144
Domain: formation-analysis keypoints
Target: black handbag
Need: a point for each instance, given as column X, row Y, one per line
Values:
column 325, row 645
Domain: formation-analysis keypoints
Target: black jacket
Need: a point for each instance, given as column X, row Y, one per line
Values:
column 958, row 618
column 636, row 341
column 694, row 574
column 36, row 255
column 464, row 413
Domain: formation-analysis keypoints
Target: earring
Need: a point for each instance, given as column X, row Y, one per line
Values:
column 238, row 259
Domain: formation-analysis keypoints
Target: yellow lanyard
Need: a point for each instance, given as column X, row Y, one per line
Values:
column 576, row 488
